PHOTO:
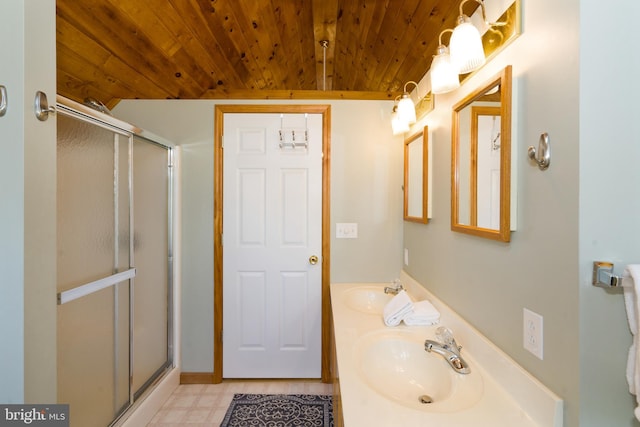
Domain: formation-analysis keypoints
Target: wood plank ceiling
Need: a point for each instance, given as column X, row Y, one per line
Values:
column 204, row 49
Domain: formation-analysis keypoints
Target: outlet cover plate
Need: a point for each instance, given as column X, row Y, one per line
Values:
column 532, row 333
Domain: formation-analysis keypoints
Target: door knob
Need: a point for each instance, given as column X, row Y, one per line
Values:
column 313, row 260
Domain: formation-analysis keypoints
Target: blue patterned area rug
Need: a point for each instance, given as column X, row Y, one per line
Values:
column 279, row 410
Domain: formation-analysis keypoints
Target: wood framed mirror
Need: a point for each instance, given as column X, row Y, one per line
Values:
column 481, row 160
column 416, row 172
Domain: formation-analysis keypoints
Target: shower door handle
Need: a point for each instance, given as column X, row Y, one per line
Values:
column 95, row 286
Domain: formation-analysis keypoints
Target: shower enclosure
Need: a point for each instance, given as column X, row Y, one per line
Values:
column 114, row 263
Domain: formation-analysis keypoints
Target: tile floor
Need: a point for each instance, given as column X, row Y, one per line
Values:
column 205, row 405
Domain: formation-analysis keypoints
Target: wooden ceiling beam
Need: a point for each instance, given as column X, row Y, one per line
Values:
column 325, row 18
column 300, row 94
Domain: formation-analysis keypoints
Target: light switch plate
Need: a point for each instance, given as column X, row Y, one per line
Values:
column 346, row 230
column 406, row 256
column 532, row 333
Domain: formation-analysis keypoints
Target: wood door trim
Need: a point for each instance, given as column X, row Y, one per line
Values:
column 218, row 164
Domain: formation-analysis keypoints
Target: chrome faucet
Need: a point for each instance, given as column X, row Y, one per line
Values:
column 395, row 288
column 449, row 349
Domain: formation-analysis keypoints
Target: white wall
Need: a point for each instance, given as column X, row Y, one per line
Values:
column 366, row 187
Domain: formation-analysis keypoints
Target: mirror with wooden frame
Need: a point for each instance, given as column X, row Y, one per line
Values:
column 416, row 171
column 481, row 160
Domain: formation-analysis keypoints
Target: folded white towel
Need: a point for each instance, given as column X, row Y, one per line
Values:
column 423, row 313
column 396, row 309
column 631, row 287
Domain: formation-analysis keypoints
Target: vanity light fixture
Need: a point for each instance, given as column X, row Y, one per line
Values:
column 404, row 112
column 467, row 53
column 397, row 125
column 444, row 75
column 406, row 107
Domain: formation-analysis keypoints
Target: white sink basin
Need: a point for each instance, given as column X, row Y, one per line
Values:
column 395, row 365
column 367, row 299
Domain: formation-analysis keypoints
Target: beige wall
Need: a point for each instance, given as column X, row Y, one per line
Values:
column 366, row 187
column 40, row 208
column 28, row 214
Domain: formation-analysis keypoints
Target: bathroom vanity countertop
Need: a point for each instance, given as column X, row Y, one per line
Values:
column 511, row 397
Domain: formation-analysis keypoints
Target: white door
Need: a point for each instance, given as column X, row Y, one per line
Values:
column 272, row 229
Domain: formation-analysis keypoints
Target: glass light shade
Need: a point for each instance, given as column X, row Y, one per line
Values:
column 406, row 109
column 398, row 126
column 444, row 76
column 466, row 49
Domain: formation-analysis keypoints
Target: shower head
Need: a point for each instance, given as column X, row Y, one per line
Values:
column 97, row 105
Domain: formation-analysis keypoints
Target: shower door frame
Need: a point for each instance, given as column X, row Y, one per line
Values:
column 86, row 114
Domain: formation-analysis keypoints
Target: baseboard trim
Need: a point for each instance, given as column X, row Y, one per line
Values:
column 196, row 378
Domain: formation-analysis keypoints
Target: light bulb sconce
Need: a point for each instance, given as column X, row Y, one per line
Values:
column 466, row 47
column 398, row 126
column 405, row 112
column 498, row 35
column 406, row 107
column 444, row 76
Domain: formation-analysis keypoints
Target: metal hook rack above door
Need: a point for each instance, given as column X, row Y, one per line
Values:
column 294, row 137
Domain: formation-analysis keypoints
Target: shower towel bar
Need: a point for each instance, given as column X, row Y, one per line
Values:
column 95, row 286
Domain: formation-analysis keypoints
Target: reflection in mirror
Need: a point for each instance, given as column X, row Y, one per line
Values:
column 416, row 155
column 481, row 161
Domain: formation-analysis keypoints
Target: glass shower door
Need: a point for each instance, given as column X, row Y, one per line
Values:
column 114, row 268
column 151, row 194
column 93, row 234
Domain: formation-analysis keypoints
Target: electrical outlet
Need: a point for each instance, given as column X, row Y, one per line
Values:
column 346, row 230
column 406, row 256
column 532, row 332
